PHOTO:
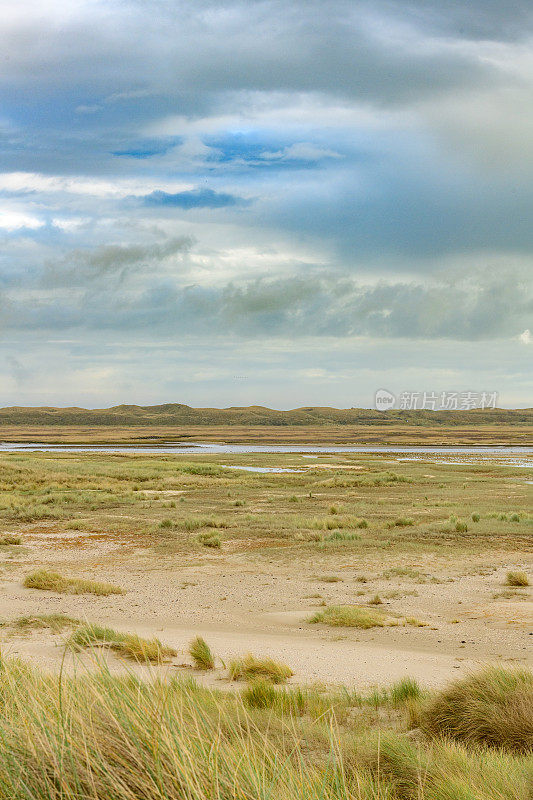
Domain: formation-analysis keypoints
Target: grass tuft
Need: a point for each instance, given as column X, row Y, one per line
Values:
column 249, row 667
column 128, row 645
column 350, row 617
column 405, row 689
column 10, row 539
column 494, row 708
column 516, row 579
column 210, row 540
column 50, row 581
column 55, row 622
column 201, row 654
column 259, row 693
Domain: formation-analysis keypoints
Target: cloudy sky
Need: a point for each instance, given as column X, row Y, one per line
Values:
column 280, row 202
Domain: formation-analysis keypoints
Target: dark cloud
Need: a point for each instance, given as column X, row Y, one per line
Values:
column 81, row 267
column 482, row 306
column 377, row 138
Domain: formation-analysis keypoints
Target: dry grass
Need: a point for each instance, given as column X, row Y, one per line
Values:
column 99, row 737
column 201, row 654
column 54, row 622
column 249, row 667
column 50, row 581
column 128, row 645
column 517, row 579
column 494, row 707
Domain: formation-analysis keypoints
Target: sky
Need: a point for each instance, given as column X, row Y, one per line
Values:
column 273, row 202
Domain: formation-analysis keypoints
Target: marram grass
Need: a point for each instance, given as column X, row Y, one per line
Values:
column 201, row 654
column 249, row 667
column 95, row 736
column 50, row 581
column 128, row 645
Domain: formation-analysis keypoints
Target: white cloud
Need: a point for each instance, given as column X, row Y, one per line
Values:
column 25, row 182
column 18, row 220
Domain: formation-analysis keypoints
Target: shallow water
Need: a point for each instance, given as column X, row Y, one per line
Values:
column 260, row 469
column 519, row 456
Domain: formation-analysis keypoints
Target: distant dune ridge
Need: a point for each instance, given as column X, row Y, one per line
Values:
column 178, row 414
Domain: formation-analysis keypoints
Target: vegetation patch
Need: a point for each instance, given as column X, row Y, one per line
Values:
column 51, row 581
column 201, row 654
column 54, row 622
column 249, row 667
column 494, row 707
column 128, row 645
column 10, row 539
column 516, row 579
column 351, row 617
column 211, row 539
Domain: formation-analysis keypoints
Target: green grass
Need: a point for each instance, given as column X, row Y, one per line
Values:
column 361, row 617
column 259, row 693
column 516, row 579
column 210, row 540
column 201, row 654
column 249, row 667
column 404, row 522
column 350, row 617
column 50, row 581
column 405, row 690
column 127, row 645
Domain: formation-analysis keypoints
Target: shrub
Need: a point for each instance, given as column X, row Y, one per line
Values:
column 515, row 518
column 51, row 581
column 461, row 527
column 128, row 645
column 475, row 517
column 201, row 654
column 350, row 617
column 517, row 579
column 494, row 707
column 249, row 667
column 376, row 600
